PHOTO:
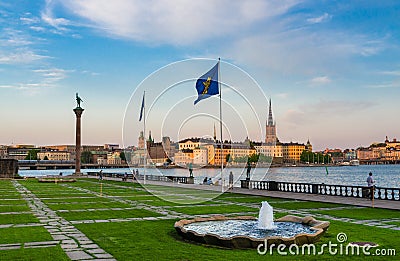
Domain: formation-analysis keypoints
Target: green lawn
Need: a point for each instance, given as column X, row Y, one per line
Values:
column 362, row 213
column 23, row 234
column 157, row 239
column 17, row 219
column 43, row 254
column 108, row 214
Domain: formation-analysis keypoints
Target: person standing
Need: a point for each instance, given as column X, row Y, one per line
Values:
column 370, row 183
column 230, row 180
column 248, row 171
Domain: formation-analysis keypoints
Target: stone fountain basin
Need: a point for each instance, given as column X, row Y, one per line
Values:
column 239, row 241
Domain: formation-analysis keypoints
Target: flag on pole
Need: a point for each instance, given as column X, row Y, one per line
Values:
column 207, row 85
column 141, row 109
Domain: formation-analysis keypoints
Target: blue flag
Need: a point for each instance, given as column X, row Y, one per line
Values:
column 207, row 85
column 141, row 109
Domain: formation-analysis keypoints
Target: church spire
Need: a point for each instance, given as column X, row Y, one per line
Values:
column 270, row 119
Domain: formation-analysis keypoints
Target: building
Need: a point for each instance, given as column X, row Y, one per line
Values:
column 3, row 152
column 141, row 142
column 155, row 151
column 54, row 155
column 19, row 152
column 113, row 158
column 270, row 128
column 111, row 147
column 292, row 151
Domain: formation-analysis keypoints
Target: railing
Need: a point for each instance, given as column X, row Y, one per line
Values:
column 177, row 179
column 324, row 189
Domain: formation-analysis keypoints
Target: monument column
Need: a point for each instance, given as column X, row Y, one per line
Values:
column 78, row 113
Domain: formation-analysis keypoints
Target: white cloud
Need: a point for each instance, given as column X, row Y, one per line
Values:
column 320, row 80
column 319, row 19
column 60, row 24
column 179, row 22
column 21, row 56
column 42, row 78
column 52, row 75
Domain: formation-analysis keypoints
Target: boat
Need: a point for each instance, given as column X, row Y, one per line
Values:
column 354, row 162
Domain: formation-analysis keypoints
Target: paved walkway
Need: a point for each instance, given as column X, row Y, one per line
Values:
column 362, row 202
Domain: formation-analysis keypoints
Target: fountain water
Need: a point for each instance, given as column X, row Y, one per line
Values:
column 266, row 216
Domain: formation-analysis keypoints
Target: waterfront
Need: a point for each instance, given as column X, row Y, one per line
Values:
column 385, row 175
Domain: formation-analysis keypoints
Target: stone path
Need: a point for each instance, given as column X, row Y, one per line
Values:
column 75, row 244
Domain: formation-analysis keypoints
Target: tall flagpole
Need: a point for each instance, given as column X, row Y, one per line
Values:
column 220, row 122
column 145, row 141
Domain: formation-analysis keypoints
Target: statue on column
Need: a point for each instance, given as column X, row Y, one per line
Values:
column 78, row 101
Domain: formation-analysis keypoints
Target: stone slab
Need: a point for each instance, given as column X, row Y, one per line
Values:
column 78, row 255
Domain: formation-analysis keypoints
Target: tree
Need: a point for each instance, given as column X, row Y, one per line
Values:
column 32, row 155
column 265, row 159
column 86, row 157
column 228, row 158
column 254, row 158
column 122, row 156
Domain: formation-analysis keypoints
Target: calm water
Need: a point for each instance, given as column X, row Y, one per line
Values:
column 384, row 175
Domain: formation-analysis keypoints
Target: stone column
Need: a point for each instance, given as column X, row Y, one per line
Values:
column 78, row 112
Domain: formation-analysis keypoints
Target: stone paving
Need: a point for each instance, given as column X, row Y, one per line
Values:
column 75, row 244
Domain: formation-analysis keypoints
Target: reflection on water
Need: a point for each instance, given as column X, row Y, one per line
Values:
column 385, row 175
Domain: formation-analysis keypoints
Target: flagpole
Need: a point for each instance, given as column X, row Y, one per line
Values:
column 220, row 122
column 145, row 141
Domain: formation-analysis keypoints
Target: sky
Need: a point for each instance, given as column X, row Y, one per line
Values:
column 331, row 68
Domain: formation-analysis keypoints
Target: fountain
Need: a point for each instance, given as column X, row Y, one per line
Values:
column 266, row 216
column 250, row 232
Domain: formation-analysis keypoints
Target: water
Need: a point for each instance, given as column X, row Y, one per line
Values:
column 230, row 228
column 266, row 216
column 384, row 175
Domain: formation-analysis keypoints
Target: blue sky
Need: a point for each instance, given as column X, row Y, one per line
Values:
column 332, row 68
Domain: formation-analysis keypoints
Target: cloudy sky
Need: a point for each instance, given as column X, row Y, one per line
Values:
column 332, row 68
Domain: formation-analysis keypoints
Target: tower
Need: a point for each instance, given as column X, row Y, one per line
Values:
column 270, row 128
column 141, row 141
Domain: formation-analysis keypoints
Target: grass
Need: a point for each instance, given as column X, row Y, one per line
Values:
column 24, row 234
column 45, row 254
column 17, row 219
column 201, row 210
column 361, row 213
column 14, row 208
column 108, row 214
column 88, row 205
column 157, row 239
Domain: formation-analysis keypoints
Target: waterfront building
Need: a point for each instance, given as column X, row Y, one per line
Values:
column 292, row 151
column 19, row 152
column 113, row 158
column 156, row 152
column 392, row 144
column 54, row 155
column 111, row 147
column 3, row 152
